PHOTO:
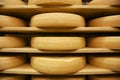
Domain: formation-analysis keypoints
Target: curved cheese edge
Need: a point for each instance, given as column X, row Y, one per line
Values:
column 105, row 77
column 107, row 62
column 57, row 20
column 107, row 21
column 103, row 2
column 8, row 21
column 11, row 42
column 12, row 2
column 58, row 65
column 58, row 78
column 112, row 42
column 55, row 2
column 7, row 62
column 58, row 43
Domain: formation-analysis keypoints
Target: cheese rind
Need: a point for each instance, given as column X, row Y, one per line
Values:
column 111, row 42
column 58, row 78
column 104, row 2
column 55, row 2
column 58, row 43
column 8, row 21
column 107, row 62
column 107, row 21
column 7, row 62
column 105, row 77
column 12, row 2
column 58, row 65
column 57, row 20
column 11, row 42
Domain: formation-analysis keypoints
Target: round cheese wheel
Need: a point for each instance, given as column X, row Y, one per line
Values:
column 58, row 78
column 57, row 20
column 58, row 43
column 108, row 21
column 55, row 2
column 111, row 42
column 58, row 65
column 108, row 62
column 12, row 2
column 104, row 2
column 12, row 77
column 105, row 77
column 7, row 62
column 8, row 21
column 11, row 42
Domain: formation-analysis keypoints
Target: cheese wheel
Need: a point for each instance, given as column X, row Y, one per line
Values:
column 104, row 2
column 57, row 20
column 8, row 21
column 12, row 2
column 111, row 42
column 11, row 42
column 58, row 43
column 58, row 65
column 105, row 77
column 108, row 21
column 7, row 62
column 12, row 77
column 107, row 62
column 58, row 78
column 55, row 2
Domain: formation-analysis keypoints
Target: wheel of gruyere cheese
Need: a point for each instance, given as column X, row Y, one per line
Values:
column 55, row 2
column 107, row 21
column 105, row 77
column 104, row 2
column 107, row 62
column 12, row 2
column 112, row 42
column 57, row 20
column 7, row 62
column 11, row 42
column 8, row 21
column 58, row 43
column 58, row 78
column 58, row 65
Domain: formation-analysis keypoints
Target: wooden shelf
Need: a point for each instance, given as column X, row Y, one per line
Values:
column 82, row 51
column 28, row 70
column 26, row 11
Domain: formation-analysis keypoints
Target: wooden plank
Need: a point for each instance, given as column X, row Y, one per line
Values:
column 84, row 50
column 28, row 70
column 76, row 29
column 26, row 11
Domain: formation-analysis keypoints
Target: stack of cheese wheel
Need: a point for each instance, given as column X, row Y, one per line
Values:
column 105, row 77
column 58, row 43
column 11, row 61
column 112, row 42
column 55, row 2
column 57, row 20
column 11, row 42
column 104, row 2
column 107, row 21
column 12, row 77
column 8, row 21
column 12, row 2
column 58, row 78
column 108, row 62
column 58, row 65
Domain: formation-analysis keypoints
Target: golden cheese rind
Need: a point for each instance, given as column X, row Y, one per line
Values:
column 57, row 20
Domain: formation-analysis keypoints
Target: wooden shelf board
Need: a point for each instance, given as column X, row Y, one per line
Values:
column 84, row 50
column 88, row 70
column 77, row 29
column 85, row 10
